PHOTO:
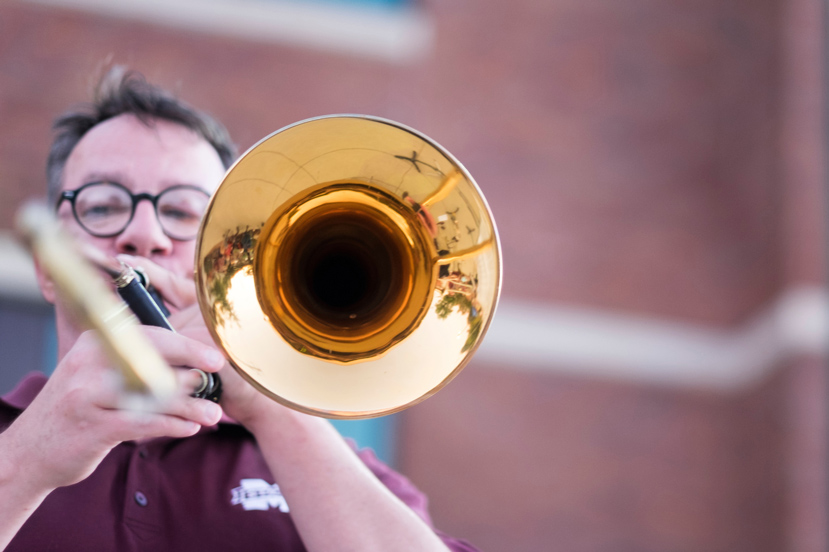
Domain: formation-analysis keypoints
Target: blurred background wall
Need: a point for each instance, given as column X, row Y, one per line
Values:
column 655, row 377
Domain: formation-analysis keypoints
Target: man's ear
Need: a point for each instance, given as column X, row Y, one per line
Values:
column 47, row 287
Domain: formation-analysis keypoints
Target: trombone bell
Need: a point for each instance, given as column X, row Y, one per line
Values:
column 354, row 271
column 348, row 266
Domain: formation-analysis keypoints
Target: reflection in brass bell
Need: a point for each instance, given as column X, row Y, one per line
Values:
column 348, row 266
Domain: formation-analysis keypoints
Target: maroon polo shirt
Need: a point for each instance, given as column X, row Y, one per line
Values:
column 212, row 491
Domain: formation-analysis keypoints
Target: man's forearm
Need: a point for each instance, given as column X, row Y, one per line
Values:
column 336, row 501
column 19, row 495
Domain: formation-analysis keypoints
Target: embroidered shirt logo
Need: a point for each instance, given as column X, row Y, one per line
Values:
column 257, row 494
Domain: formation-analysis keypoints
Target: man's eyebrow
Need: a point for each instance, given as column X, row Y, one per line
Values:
column 170, row 183
column 104, row 176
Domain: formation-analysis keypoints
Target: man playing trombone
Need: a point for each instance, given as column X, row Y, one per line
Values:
column 77, row 472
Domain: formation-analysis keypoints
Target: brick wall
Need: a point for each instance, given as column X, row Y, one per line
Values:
column 607, row 139
column 532, row 463
column 653, row 157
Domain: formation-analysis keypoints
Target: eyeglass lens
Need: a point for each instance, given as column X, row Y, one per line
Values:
column 106, row 209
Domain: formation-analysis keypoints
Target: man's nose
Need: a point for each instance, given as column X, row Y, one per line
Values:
column 143, row 236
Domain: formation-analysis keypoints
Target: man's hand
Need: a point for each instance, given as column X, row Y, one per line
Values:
column 239, row 400
column 312, row 463
column 178, row 293
column 76, row 420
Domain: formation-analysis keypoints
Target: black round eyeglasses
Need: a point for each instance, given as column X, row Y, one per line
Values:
column 105, row 209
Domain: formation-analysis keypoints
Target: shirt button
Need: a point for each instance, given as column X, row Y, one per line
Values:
column 142, row 452
column 140, row 498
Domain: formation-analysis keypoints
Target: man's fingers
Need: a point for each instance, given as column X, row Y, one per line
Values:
column 180, row 350
column 178, row 292
column 180, row 417
column 188, row 316
column 134, row 426
column 195, row 410
column 189, row 381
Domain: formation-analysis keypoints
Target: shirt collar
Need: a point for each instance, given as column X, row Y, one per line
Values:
column 26, row 391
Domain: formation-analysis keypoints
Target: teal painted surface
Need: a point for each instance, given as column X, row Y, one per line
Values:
column 50, row 346
column 375, row 433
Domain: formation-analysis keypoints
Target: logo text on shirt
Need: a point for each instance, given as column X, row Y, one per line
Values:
column 257, row 494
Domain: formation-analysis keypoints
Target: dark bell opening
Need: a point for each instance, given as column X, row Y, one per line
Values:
column 345, row 272
column 341, row 277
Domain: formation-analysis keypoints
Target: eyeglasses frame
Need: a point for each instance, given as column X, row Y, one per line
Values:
column 71, row 195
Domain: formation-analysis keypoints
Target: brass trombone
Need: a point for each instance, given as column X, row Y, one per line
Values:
column 348, row 266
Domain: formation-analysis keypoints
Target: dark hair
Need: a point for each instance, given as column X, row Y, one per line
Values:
column 119, row 92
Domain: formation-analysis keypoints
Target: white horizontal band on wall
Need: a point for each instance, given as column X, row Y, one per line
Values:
column 629, row 347
column 393, row 34
column 598, row 343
